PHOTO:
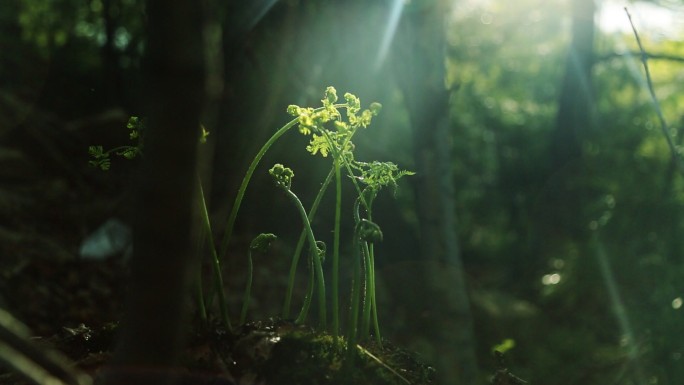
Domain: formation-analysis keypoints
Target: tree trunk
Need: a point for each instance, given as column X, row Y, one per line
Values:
column 575, row 101
column 420, row 73
column 162, row 265
column 110, row 59
column 574, row 120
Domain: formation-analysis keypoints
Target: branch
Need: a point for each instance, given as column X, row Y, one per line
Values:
column 652, row 56
column 663, row 124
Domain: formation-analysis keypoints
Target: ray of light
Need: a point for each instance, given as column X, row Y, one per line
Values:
column 257, row 11
column 390, row 30
column 618, row 307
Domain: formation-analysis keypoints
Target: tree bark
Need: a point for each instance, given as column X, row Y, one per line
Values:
column 420, row 73
column 575, row 102
column 574, row 120
column 110, row 59
column 155, row 323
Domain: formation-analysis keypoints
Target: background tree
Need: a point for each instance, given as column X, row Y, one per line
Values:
column 576, row 260
column 153, row 331
column 419, row 70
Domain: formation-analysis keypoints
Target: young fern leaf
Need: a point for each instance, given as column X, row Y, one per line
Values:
column 377, row 175
column 318, row 144
column 100, row 158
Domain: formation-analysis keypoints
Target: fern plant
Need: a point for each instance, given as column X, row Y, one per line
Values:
column 331, row 129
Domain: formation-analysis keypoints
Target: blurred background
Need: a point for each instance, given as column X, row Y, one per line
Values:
column 545, row 216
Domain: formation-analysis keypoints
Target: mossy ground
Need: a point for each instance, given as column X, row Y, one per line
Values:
column 280, row 352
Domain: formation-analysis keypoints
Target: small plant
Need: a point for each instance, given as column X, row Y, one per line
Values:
column 331, row 135
column 283, row 179
column 259, row 244
column 101, row 158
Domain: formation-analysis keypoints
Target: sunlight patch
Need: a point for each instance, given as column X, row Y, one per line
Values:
column 551, row 279
column 677, row 303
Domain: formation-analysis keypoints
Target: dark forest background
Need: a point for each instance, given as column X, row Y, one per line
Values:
column 546, row 209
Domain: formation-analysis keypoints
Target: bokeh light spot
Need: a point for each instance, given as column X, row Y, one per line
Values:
column 551, row 279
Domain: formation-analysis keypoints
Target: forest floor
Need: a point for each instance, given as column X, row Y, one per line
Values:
column 51, row 200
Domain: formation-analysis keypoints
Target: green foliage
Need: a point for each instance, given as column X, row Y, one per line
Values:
column 506, row 60
column 282, row 175
column 50, row 24
column 377, row 175
column 514, row 232
column 262, row 242
column 259, row 244
column 338, row 139
column 505, row 345
column 136, row 133
column 101, row 158
column 369, row 231
column 330, row 134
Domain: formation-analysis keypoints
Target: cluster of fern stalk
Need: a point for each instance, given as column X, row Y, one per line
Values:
column 330, row 133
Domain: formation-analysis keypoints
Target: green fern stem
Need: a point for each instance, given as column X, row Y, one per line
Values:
column 245, row 182
column 216, row 265
column 367, row 270
column 300, row 245
column 337, row 156
column 356, row 291
column 376, row 324
column 304, row 311
column 228, row 233
column 318, row 267
column 336, row 251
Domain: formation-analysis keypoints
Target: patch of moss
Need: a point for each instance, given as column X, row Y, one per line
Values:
column 300, row 356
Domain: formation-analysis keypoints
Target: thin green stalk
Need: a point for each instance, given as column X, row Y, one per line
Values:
column 369, row 304
column 336, row 251
column 293, row 273
column 356, row 292
column 304, row 312
column 376, row 324
column 371, row 274
column 216, row 266
column 245, row 181
column 199, row 293
column 367, row 290
column 248, row 176
column 316, row 259
column 338, row 156
column 300, row 245
column 260, row 244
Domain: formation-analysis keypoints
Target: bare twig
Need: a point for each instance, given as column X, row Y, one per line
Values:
column 649, row 56
column 663, row 124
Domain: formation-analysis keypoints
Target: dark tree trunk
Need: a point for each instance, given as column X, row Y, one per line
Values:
column 420, row 73
column 110, row 58
column 574, row 120
column 162, row 265
column 575, row 101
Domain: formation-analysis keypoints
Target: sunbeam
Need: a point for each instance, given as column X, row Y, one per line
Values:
column 618, row 307
column 257, row 11
column 390, row 30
